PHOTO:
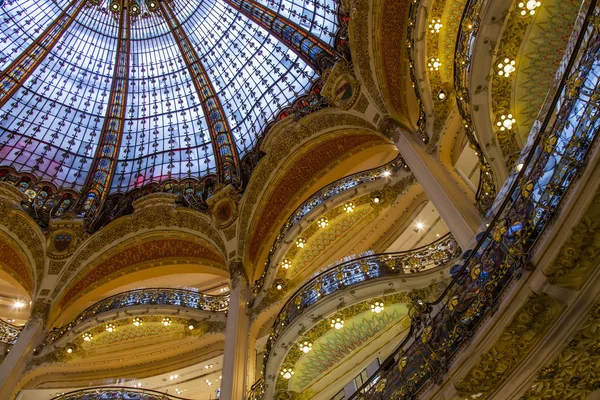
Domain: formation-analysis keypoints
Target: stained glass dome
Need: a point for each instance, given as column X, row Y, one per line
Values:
column 105, row 96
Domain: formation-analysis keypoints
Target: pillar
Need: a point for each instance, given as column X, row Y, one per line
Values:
column 455, row 207
column 235, row 360
column 15, row 363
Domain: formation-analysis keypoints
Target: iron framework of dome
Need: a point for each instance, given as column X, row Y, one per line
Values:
column 103, row 100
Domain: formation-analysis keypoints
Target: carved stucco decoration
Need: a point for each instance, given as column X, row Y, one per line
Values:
column 580, row 254
column 24, row 232
column 138, row 254
column 151, row 212
column 518, row 338
column 341, row 87
column 224, row 207
column 360, row 32
column 281, row 141
column 575, row 373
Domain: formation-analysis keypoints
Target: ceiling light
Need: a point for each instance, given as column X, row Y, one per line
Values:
column 137, row 321
column 69, row 349
column 87, row 336
column 18, row 304
column 110, row 327
column 323, row 222
column 286, row 264
column 506, row 67
column 337, row 323
column 191, row 327
column 376, row 199
column 300, row 242
column 377, row 307
column 386, row 173
column 435, row 25
column 305, row 346
column 279, row 286
column 506, row 122
column 349, row 207
column 434, row 64
column 286, row 373
column 441, row 95
column 528, row 7
column 419, row 226
column 166, row 321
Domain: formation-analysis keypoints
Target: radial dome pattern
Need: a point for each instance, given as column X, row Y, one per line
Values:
column 105, row 96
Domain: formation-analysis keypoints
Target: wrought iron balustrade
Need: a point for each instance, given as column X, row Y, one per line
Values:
column 116, row 393
column 9, row 332
column 553, row 161
column 321, row 196
column 356, row 272
column 138, row 297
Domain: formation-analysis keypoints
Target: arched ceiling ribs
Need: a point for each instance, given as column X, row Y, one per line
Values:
column 307, row 46
column 228, row 163
column 13, row 77
column 102, row 172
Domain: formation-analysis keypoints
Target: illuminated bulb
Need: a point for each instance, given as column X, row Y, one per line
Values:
column 323, row 222
column 441, row 95
column 279, row 286
column 87, row 336
column 349, row 207
column 376, row 199
column 337, row 323
column 300, row 242
column 506, row 122
column 69, row 350
column 166, row 321
column 18, row 304
column 419, row 225
column 434, row 64
column 435, row 25
column 305, row 346
column 110, row 327
column 377, row 307
column 286, row 264
column 137, row 321
column 191, row 327
column 286, row 373
column 506, row 67
column 386, row 173
column 519, row 167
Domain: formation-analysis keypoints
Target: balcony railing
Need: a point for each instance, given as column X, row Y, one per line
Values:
column 150, row 296
column 8, row 332
column 114, row 393
column 320, row 197
column 556, row 157
column 358, row 271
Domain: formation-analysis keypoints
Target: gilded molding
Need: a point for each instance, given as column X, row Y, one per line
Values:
column 516, row 341
column 580, row 254
column 575, row 372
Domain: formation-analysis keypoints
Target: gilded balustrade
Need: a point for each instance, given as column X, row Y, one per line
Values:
column 321, row 196
column 140, row 297
column 551, row 164
column 111, row 393
column 9, row 332
column 356, row 272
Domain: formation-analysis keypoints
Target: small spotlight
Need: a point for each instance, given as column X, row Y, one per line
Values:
column 18, row 304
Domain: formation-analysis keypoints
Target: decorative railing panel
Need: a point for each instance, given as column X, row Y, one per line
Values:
column 356, row 272
column 113, row 393
column 8, row 332
column 553, row 163
column 140, row 297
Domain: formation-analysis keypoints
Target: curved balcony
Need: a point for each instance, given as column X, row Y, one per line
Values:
column 8, row 332
column 530, row 201
column 112, row 393
column 165, row 300
column 317, row 199
column 353, row 275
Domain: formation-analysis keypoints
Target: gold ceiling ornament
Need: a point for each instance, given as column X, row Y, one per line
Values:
column 336, row 321
column 528, row 8
column 505, row 122
column 377, row 306
column 305, row 345
column 434, row 64
column 286, row 263
column 110, row 327
column 87, row 337
column 166, row 321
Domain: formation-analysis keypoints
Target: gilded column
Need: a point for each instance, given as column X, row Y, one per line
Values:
column 15, row 75
column 228, row 164
column 311, row 49
column 234, row 384
column 13, row 366
column 102, row 172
